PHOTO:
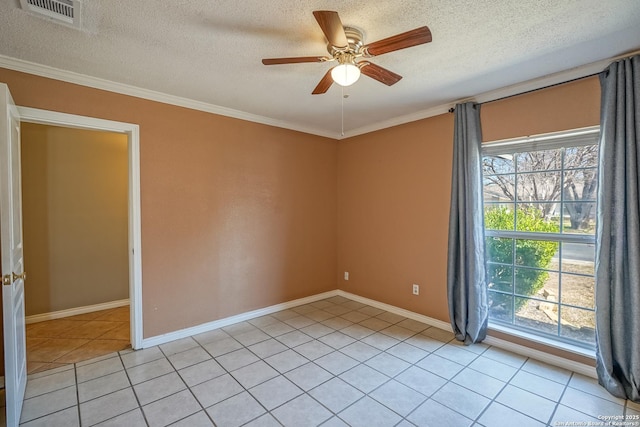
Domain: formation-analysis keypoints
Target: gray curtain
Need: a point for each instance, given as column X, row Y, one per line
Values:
column 618, row 232
column 466, row 272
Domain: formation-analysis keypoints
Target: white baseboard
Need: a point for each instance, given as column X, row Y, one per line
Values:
column 221, row 323
column 399, row 311
column 558, row 361
column 541, row 356
column 75, row 311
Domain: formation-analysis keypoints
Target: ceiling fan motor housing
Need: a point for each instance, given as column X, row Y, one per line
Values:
column 355, row 38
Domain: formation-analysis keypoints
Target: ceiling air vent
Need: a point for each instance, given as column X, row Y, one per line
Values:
column 64, row 11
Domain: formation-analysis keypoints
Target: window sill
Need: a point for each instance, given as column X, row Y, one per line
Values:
column 569, row 348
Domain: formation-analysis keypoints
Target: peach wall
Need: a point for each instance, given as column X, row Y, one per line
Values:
column 568, row 106
column 235, row 215
column 394, row 193
column 393, row 210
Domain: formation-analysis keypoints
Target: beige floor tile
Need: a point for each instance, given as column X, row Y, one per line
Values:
column 44, row 367
column 189, row 357
column 302, row 410
column 49, row 403
column 48, row 383
column 52, row 328
column 199, row 419
column 368, row 412
column 139, row 357
column 106, row 407
column 426, row 388
column 216, row 390
column 335, row 394
column 106, row 346
column 148, row 371
column 201, row 372
column 54, row 349
column 67, row 418
column 170, row 409
column 433, row 413
column 308, row 376
column 500, row 416
column 254, row 374
column 275, row 392
column 398, row 397
column 157, row 388
column 121, row 332
column 178, row 346
column 61, row 368
column 34, row 342
column 103, row 385
column 236, row 411
column 130, row 419
column 60, row 342
column 91, row 329
column 97, row 359
column 98, row 369
column 93, row 349
column 121, row 314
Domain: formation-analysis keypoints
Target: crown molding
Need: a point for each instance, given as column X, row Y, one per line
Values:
column 124, row 89
column 493, row 95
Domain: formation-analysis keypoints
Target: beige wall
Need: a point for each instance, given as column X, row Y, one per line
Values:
column 394, row 193
column 235, row 215
column 75, row 211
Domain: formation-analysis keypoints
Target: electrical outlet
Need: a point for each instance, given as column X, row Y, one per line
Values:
column 416, row 289
column 346, row 275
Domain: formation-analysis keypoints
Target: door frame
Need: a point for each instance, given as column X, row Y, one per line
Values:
column 46, row 117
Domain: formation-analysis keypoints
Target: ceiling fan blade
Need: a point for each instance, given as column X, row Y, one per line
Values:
column 400, row 41
column 295, row 60
column 324, row 84
column 378, row 73
column 332, row 28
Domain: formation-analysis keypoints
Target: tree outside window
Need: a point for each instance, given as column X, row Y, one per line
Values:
column 540, row 211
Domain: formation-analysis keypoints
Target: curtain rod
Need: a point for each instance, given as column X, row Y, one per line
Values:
column 452, row 109
column 612, row 60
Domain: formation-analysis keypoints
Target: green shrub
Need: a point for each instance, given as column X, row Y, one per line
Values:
column 529, row 253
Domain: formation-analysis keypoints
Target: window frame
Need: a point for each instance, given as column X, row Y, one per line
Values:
column 556, row 140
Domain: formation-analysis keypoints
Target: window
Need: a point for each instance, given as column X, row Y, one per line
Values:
column 540, row 213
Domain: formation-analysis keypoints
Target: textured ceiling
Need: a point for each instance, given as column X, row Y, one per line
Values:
column 210, row 51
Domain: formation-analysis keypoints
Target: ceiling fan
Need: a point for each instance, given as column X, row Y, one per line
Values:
column 346, row 44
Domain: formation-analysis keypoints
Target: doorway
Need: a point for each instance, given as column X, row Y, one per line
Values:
column 75, row 228
column 108, row 316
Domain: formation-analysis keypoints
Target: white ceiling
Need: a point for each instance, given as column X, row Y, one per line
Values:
column 210, row 51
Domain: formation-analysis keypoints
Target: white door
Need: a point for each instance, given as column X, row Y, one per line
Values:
column 15, row 359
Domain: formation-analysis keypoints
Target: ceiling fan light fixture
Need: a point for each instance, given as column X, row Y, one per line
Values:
column 345, row 74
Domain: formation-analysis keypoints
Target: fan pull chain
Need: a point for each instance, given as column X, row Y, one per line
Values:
column 342, row 112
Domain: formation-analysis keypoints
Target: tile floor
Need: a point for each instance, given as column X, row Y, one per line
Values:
column 334, row 362
column 61, row 342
